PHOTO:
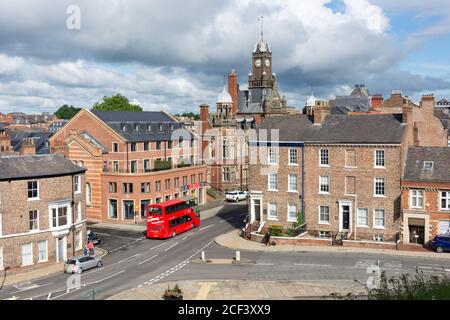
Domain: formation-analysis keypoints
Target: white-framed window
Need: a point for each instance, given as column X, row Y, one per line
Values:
column 112, row 209
column 292, row 183
column 378, row 237
column 42, row 251
column 416, row 198
column 78, row 240
column 88, row 194
column 324, row 184
column 115, row 147
column 292, row 212
column 27, row 254
column 363, row 217
column 272, row 155
column 379, row 219
column 379, row 188
column 33, row 220
column 227, row 151
column 324, row 234
column 134, row 166
column 428, row 165
column 323, row 157
column 59, row 216
column 272, row 184
column 78, row 211
column 293, row 157
column 272, row 211
column 324, row 214
column 444, row 200
column 226, row 174
column 33, row 190
column 77, row 184
column 115, row 166
column 379, row 159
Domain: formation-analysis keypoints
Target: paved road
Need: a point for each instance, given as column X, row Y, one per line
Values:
column 135, row 261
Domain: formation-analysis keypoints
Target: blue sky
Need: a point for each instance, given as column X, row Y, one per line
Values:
column 162, row 59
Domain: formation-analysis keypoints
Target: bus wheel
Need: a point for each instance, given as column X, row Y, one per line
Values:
column 174, row 234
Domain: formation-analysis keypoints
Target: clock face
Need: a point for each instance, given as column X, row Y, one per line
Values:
column 258, row 63
column 267, row 63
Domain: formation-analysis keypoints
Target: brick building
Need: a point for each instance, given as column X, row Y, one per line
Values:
column 42, row 211
column 426, row 194
column 341, row 173
column 133, row 159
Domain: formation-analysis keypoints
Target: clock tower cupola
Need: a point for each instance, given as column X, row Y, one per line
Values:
column 261, row 76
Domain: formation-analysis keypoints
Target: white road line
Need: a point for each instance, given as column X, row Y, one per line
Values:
column 206, row 227
column 157, row 246
column 147, row 259
column 187, row 236
column 136, row 255
column 171, row 247
column 108, row 277
column 32, row 287
column 264, row 264
column 434, row 268
column 312, row 265
column 118, row 237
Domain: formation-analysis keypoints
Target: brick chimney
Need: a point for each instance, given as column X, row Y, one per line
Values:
column 407, row 114
column 377, row 101
column 233, row 89
column 321, row 110
column 427, row 104
column 28, row 147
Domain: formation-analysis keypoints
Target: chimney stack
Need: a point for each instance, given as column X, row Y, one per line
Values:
column 28, row 147
column 377, row 101
column 321, row 110
column 428, row 103
column 233, row 89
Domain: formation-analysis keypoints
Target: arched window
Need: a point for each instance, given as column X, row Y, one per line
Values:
column 88, row 194
column 2, row 149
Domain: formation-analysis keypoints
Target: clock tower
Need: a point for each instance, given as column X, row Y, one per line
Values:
column 261, row 76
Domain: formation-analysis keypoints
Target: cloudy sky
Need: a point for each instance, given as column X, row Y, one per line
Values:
column 173, row 54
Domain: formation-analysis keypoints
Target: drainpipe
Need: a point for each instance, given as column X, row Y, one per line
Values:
column 128, row 165
column 73, row 214
column 303, row 183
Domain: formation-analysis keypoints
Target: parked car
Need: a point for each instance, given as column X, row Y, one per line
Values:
column 235, row 195
column 441, row 243
column 80, row 264
column 92, row 236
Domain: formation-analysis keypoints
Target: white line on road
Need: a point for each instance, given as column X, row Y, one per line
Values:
column 147, row 259
column 206, row 227
column 434, row 268
column 136, row 255
column 32, row 287
column 187, row 236
column 264, row 264
column 108, row 277
column 312, row 265
column 171, row 247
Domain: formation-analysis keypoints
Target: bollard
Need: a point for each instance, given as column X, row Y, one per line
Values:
column 203, row 256
column 238, row 256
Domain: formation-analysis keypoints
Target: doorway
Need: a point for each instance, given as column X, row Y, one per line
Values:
column 417, row 234
column 345, row 218
column 61, row 250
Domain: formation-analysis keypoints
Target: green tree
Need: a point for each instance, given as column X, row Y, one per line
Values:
column 116, row 103
column 66, row 112
column 190, row 115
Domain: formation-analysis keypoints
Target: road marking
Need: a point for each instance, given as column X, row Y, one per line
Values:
column 205, row 287
column 264, row 264
column 147, row 259
column 136, row 255
column 159, row 245
column 206, row 227
column 108, row 277
column 33, row 286
column 171, row 247
column 433, row 268
column 312, row 265
column 187, row 236
column 119, row 237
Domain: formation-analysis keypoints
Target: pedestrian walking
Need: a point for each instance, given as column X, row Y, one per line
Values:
column 91, row 248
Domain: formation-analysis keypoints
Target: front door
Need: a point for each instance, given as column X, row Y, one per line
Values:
column 417, row 234
column 61, row 247
column 257, row 209
column 344, row 217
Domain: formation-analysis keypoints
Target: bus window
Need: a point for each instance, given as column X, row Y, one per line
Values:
column 154, row 211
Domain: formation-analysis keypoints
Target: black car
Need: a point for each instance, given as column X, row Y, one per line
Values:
column 92, row 236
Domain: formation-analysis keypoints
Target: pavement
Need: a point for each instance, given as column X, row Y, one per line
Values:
column 43, row 272
column 241, row 290
column 233, row 240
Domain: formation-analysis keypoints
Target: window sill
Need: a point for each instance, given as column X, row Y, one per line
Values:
column 293, row 164
column 324, row 166
column 33, row 199
column 347, row 167
column 324, row 223
column 416, row 208
column 378, row 196
column 379, row 228
column 379, row 167
column 292, row 220
column 42, row 261
column 325, row 193
column 272, row 219
column 27, row 265
column 365, row 227
column 272, row 190
column 292, row 191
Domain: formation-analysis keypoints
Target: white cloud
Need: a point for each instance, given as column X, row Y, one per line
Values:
column 9, row 65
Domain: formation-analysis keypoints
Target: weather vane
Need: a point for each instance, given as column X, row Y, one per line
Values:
column 261, row 18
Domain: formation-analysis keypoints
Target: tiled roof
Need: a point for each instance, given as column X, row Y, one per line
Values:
column 366, row 129
column 30, row 167
column 415, row 170
column 40, row 138
column 147, row 122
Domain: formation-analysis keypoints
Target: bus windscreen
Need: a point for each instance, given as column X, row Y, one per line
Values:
column 154, row 211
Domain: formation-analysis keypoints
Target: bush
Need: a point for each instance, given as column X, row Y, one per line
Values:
column 162, row 165
column 174, row 293
column 276, row 230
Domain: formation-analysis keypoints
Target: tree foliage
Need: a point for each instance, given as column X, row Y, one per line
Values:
column 117, row 102
column 66, row 112
column 190, row 115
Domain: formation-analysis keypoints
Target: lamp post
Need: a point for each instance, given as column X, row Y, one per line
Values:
column 4, row 277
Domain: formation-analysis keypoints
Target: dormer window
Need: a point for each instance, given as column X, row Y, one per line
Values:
column 171, row 126
column 136, row 127
column 160, row 127
column 149, row 127
column 123, row 127
column 428, row 165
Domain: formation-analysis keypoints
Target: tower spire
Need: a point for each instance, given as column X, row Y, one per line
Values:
column 261, row 18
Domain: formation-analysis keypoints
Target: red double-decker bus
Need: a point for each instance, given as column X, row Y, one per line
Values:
column 167, row 219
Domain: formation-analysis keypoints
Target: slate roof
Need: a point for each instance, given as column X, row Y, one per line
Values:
column 127, row 120
column 366, row 129
column 414, row 170
column 251, row 101
column 40, row 137
column 443, row 115
column 30, row 167
column 343, row 105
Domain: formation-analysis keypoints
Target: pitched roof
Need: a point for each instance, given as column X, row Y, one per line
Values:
column 366, row 129
column 40, row 137
column 147, row 122
column 30, row 167
column 415, row 171
column 444, row 115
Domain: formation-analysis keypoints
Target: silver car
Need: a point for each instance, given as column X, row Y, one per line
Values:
column 80, row 264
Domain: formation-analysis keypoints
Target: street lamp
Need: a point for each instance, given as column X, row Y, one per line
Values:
column 4, row 277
